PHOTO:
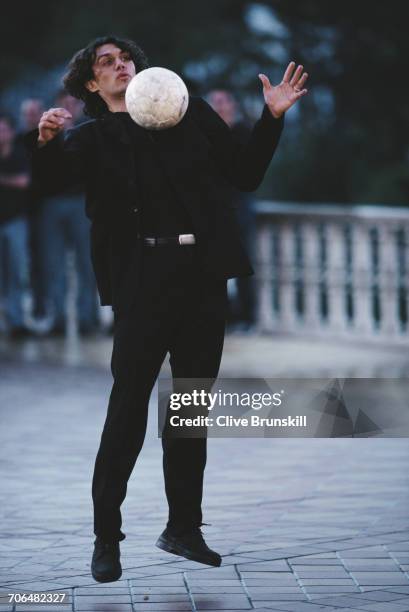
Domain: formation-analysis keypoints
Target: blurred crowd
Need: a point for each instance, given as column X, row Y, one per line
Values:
column 44, row 240
column 39, row 237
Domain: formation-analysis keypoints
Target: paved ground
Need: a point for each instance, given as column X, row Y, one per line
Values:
column 302, row 524
column 244, row 355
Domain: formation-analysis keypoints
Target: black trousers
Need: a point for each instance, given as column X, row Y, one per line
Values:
column 179, row 312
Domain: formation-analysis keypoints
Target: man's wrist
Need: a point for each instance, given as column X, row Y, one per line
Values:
column 275, row 114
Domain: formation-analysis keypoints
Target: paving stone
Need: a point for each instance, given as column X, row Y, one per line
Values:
column 234, row 559
column 379, row 595
column 219, row 573
column 332, row 589
column 207, row 582
column 301, row 607
column 399, row 589
column 153, row 598
column 322, row 572
column 385, row 607
column 216, row 589
column 326, row 581
column 172, row 606
column 377, row 578
column 264, row 600
column 259, row 592
column 267, row 582
column 102, row 590
column 264, row 566
column 168, row 580
column 220, row 602
column 281, row 576
column 82, row 600
column 375, row 552
column 376, row 565
column 101, row 607
column 159, row 590
column 39, row 608
column 306, row 561
column 399, row 546
column 343, row 601
column 318, row 556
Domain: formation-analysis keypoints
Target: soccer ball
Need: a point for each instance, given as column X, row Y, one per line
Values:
column 156, row 98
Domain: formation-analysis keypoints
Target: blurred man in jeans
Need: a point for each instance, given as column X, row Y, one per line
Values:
column 241, row 313
column 66, row 228
column 14, row 181
column 31, row 110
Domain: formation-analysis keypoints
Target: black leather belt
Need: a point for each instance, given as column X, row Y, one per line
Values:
column 182, row 239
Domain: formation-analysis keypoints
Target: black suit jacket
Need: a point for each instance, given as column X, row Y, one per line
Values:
column 201, row 159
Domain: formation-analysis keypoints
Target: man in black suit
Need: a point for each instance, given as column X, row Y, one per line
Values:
column 164, row 243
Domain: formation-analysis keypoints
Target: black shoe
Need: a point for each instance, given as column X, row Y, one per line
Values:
column 190, row 545
column 105, row 566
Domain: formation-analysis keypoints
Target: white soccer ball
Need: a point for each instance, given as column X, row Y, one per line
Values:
column 156, row 98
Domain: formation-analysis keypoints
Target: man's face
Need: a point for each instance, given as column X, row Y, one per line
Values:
column 72, row 105
column 6, row 133
column 113, row 69
column 224, row 104
column 31, row 111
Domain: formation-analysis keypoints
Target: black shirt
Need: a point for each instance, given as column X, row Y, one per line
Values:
column 162, row 213
column 13, row 201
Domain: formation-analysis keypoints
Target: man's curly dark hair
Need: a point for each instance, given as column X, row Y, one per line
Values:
column 80, row 71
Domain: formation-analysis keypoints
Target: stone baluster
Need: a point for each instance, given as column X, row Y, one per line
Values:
column 288, row 315
column 362, row 278
column 405, row 277
column 264, row 271
column 388, row 280
column 311, row 277
column 336, row 277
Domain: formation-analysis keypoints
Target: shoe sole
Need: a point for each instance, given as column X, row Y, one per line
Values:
column 102, row 578
column 183, row 552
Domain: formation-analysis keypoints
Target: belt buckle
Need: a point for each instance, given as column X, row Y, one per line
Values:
column 187, row 239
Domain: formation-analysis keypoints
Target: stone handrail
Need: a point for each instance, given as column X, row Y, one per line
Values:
column 333, row 270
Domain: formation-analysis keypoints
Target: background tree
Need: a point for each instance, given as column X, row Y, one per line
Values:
column 347, row 141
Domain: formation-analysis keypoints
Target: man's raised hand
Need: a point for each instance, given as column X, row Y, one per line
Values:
column 51, row 123
column 281, row 97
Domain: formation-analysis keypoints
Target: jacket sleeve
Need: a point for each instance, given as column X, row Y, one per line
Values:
column 243, row 164
column 61, row 163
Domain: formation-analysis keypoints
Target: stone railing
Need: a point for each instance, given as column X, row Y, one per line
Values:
column 331, row 270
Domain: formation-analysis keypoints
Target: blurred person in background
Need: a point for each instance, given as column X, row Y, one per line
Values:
column 64, row 229
column 241, row 315
column 14, row 183
column 31, row 110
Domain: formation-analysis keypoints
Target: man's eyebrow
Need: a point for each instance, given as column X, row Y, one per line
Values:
column 103, row 55
column 109, row 53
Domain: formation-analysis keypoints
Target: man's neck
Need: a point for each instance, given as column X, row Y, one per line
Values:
column 117, row 105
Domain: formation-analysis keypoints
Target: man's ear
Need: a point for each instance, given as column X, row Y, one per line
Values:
column 92, row 86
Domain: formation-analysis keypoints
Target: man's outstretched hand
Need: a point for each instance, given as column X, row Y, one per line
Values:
column 281, row 97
